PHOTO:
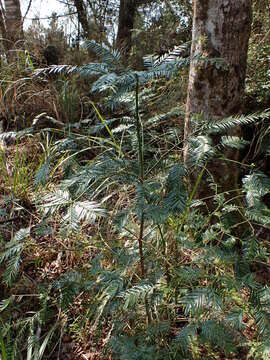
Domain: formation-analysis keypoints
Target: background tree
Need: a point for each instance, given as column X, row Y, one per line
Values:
column 126, row 21
column 127, row 11
column 151, row 26
column 2, row 22
column 221, row 29
column 13, row 24
column 97, row 18
column 82, row 16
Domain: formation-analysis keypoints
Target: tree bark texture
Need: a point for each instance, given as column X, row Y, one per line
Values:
column 127, row 12
column 221, row 29
column 2, row 25
column 82, row 16
column 13, row 24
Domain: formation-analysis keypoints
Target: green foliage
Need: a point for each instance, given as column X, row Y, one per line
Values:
column 11, row 255
column 162, row 280
column 258, row 79
column 17, row 179
column 112, row 77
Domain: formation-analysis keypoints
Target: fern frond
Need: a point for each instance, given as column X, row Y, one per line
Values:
column 221, row 126
column 136, row 294
column 164, row 70
column 252, row 249
column 52, row 202
column 88, row 70
column 218, row 335
column 157, row 120
column 121, row 219
column 263, row 321
column 186, row 337
column 176, row 198
column 260, row 351
column 201, row 149
column 11, row 256
column 234, row 319
column 106, row 82
column 259, row 214
column 256, row 185
column 201, row 300
column 234, row 142
column 111, row 57
column 42, row 174
column 69, row 285
column 11, row 137
column 151, row 61
column 5, row 303
column 260, row 299
column 79, row 211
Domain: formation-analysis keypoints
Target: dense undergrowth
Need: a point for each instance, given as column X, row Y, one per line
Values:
column 104, row 253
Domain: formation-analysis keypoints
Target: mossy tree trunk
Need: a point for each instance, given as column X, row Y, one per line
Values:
column 221, row 29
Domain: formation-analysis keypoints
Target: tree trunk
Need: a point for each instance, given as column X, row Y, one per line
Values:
column 14, row 25
column 82, row 16
column 127, row 12
column 221, row 29
column 2, row 22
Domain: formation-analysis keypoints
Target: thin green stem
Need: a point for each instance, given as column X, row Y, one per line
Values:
column 141, row 173
column 108, row 129
column 139, row 134
column 164, row 250
column 141, row 176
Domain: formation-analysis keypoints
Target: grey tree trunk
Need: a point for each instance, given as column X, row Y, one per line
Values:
column 221, row 29
column 13, row 23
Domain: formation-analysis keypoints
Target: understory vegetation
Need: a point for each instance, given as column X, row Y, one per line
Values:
column 105, row 251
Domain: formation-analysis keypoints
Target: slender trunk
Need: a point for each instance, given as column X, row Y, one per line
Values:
column 13, row 24
column 78, row 35
column 82, row 16
column 2, row 23
column 221, row 29
column 127, row 12
column 3, row 27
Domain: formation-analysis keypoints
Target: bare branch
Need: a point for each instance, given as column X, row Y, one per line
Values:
column 27, row 10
